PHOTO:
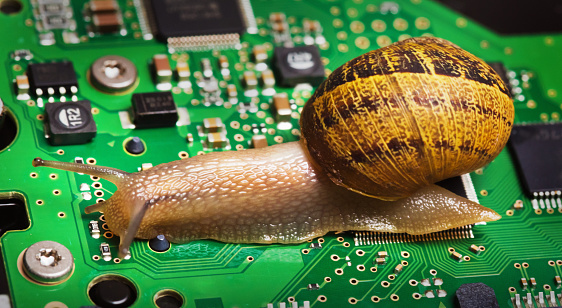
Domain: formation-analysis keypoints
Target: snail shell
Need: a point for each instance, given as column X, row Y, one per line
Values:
column 405, row 116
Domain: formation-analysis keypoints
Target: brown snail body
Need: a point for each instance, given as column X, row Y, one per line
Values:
column 287, row 193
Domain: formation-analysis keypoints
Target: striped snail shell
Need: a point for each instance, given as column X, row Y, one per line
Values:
column 405, row 116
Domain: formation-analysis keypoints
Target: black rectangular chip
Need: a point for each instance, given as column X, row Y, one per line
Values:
column 154, row 109
column 180, row 18
column 537, row 149
column 53, row 77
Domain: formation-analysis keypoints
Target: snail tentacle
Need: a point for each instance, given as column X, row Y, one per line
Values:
column 113, row 175
column 139, row 209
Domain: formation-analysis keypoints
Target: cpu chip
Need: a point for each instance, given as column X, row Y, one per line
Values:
column 182, row 18
column 537, row 150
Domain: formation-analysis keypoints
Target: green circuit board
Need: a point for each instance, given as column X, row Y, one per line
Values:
column 224, row 84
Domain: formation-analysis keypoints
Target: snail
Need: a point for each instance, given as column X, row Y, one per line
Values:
column 376, row 135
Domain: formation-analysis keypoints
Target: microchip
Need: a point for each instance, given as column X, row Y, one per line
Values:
column 455, row 185
column 69, row 123
column 54, row 77
column 537, row 150
column 476, row 295
column 300, row 64
column 180, row 18
column 154, row 109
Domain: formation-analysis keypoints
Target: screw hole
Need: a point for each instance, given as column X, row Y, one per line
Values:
column 168, row 299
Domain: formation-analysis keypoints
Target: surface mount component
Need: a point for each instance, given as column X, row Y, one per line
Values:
column 259, row 141
column 181, row 18
column 537, row 149
column 154, row 109
column 296, row 65
column 476, row 295
column 51, row 78
column 69, row 123
column 113, row 74
column 162, row 72
column 281, row 107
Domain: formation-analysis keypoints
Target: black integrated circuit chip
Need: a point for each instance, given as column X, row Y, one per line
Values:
column 154, row 109
column 301, row 64
column 537, row 150
column 455, row 185
column 53, row 77
column 476, row 295
column 180, row 18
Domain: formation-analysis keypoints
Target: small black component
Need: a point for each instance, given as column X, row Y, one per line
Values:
column 301, row 64
column 455, row 185
column 313, row 286
column 315, row 246
column 159, row 243
column 113, row 293
column 476, row 295
column 179, row 18
column 537, row 149
column 54, row 76
column 502, row 72
column 154, row 109
column 69, row 123
column 134, row 146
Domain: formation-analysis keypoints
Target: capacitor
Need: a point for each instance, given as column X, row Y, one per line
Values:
column 22, row 83
column 183, row 74
column 207, row 68
column 250, row 80
column 260, row 53
column 212, row 125
column 162, row 71
column 282, row 107
column 268, row 79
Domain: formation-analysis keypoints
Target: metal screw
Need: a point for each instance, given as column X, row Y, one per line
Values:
column 48, row 262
